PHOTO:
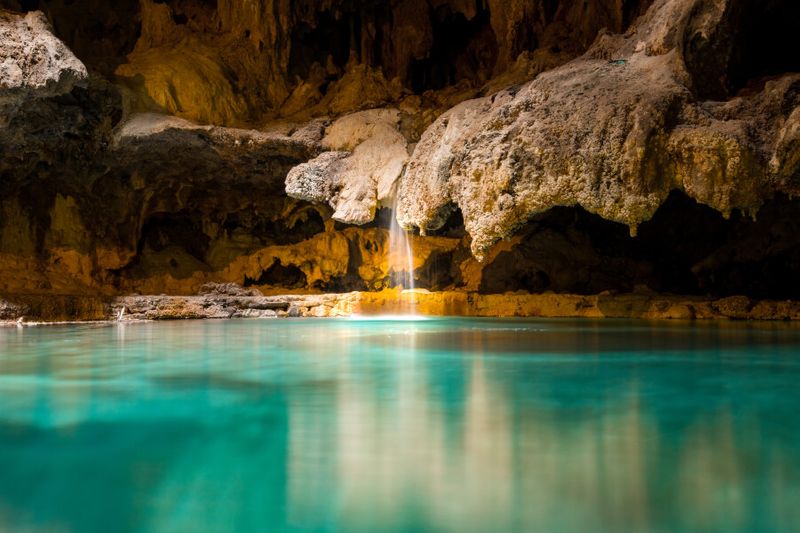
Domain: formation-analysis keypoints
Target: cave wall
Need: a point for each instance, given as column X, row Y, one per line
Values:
column 540, row 145
column 237, row 63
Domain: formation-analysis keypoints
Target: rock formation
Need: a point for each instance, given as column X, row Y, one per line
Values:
column 613, row 131
column 576, row 147
column 366, row 156
column 35, row 63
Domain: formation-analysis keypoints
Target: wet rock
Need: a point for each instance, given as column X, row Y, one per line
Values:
column 45, row 307
column 12, row 311
column 227, row 289
column 256, row 313
column 217, row 306
column 441, row 303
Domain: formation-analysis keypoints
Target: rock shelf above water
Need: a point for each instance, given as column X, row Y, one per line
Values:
column 32, row 310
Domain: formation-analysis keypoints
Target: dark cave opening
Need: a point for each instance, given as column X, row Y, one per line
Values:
column 38, row 202
column 766, row 42
column 278, row 275
column 453, row 226
column 383, row 218
column 183, row 230
column 351, row 280
column 631, row 9
column 179, row 18
column 331, row 38
column 686, row 248
column 438, row 273
column 753, row 41
column 271, row 231
column 462, row 50
column 565, row 249
column 305, row 227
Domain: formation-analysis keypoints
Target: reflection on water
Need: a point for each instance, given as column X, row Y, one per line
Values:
column 444, row 425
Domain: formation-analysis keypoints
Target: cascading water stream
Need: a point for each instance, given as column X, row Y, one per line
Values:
column 401, row 262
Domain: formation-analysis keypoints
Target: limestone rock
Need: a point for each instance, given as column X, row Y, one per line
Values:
column 314, row 181
column 166, row 133
column 613, row 131
column 368, row 154
column 34, row 63
column 227, row 289
column 12, row 311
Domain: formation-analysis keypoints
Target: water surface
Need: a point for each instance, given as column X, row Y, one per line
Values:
column 440, row 425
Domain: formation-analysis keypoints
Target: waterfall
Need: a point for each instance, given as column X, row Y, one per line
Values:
column 401, row 256
column 401, row 260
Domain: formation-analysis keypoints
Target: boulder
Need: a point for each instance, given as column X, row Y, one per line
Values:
column 34, row 63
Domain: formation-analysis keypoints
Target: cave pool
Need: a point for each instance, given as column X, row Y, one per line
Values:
column 383, row 425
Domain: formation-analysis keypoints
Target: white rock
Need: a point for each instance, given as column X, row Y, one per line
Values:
column 34, row 63
column 367, row 155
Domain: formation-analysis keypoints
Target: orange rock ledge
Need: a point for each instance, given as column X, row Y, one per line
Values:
column 30, row 309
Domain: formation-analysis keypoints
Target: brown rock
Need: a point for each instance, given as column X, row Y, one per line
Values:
column 737, row 307
column 227, row 289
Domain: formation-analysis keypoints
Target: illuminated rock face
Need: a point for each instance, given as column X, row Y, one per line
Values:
column 613, row 131
column 367, row 154
column 232, row 62
column 154, row 147
column 34, row 63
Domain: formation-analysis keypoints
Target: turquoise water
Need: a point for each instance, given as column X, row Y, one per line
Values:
column 441, row 425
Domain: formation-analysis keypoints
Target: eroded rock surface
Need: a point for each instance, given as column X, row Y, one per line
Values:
column 367, row 153
column 613, row 131
column 34, row 63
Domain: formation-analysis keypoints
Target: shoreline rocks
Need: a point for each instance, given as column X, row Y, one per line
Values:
column 41, row 309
